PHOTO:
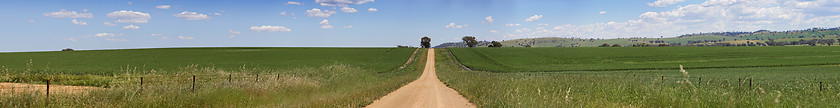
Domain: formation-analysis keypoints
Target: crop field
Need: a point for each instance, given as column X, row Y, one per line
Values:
column 211, row 77
column 773, row 84
column 641, row 58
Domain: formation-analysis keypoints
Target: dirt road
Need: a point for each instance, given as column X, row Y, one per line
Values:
column 425, row 92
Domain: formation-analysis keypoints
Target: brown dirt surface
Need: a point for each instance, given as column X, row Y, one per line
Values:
column 425, row 92
column 6, row 88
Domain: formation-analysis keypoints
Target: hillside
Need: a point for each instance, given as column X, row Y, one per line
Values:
column 812, row 37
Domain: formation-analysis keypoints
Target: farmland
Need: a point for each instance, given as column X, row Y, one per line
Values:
column 641, row 58
column 212, row 77
column 731, row 77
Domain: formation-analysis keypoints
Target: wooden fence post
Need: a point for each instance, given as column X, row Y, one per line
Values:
column 662, row 80
column 278, row 77
column 750, row 82
column 229, row 77
column 700, row 82
column 48, row 93
column 820, row 85
column 193, row 83
column 257, row 79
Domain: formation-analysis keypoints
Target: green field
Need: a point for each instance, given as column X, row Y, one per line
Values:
column 271, row 77
column 774, row 86
column 109, row 62
column 641, row 58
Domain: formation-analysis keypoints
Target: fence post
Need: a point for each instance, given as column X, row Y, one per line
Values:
column 700, row 82
column 820, row 85
column 229, row 77
column 278, row 77
column 257, row 79
column 48, row 92
column 193, row 84
column 750, row 82
column 662, row 80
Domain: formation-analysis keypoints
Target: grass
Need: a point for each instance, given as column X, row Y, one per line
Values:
column 786, row 86
column 324, row 84
column 111, row 62
column 641, row 58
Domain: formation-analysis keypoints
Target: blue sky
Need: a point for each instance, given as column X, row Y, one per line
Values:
column 49, row 25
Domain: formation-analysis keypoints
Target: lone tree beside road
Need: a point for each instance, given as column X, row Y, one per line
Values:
column 424, row 42
column 469, row 40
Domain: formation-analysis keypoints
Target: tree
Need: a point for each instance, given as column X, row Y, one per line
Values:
column 604, row 45
column 495, row 44
column 616, row 45
column 424, row 42
column 470, row 41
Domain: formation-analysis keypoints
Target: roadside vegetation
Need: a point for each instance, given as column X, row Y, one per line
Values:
column 781, row 86
column 204, row 77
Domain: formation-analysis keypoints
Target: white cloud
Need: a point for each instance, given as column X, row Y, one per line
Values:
column 187, row 15
column 663, row 3
column 372, row 9
column 315, row 12
column 348, row 10
column 116, row 40
column 283, row 13
column 347, row 26
column 488, row 19
column 104, row 35
column 78, row 22
column 68, row 14
column 602, row 12
column 325, row 24
column 131, row 27
column 130, row 3
column 185, row 38
column 269, row 28
column 234, row 32
column 125, row 16
column 454, row 26
column 163, row 6
column 494, row 31
column 533, row 18
column 109, row 24
column 512, row 25
column 30, row 21
column 164, row 38
column 71, row 39
column 293, row 3
column 156, row 34
column 709, row 16
column 341, row 2
column 542, row 24
column 217, row 14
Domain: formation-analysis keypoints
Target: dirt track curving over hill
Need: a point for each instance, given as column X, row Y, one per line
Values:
column 425, row 92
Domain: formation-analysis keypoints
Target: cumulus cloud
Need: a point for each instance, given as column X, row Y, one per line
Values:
column 453, row 26
column 131, row 27
column 293, row 3
column 163, row 6
column 78, row 22
column 187, row 15
column 494, row 31
column 234, row 32
column 488, row 19
column 372, row 9
column 663, row 3
column 347, row 26
column 125, row 16
column 341, row 2
column 315, row 12
column 283, row 13
column 602, row 12
column 709, row 16
column 68, row 14
column 533, row 18
column 105, row 35
column 512, row 25
column 325, row 24
column 30, row 21
column 269, row 28
column 185, row 38
column 348, row 10
column 156, row 34
column 542, row 24
column 109, row 24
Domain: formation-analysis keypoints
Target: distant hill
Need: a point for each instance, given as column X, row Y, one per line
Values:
column 812, row 37
column 461, row 44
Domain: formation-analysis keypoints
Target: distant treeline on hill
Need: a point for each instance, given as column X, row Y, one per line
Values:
column 806, row 37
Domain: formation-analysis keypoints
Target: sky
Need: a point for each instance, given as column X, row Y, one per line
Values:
column 50, row 25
